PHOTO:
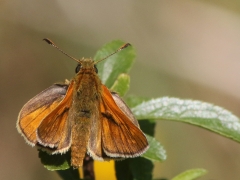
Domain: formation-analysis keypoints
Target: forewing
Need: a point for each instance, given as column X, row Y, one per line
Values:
column 121, row 137
column 34, row 111
column 55, row 131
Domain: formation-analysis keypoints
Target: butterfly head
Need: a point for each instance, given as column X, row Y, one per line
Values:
column 86, row 64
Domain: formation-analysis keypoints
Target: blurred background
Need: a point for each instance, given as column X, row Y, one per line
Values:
column 186, row 49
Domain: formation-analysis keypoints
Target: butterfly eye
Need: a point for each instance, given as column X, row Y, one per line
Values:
column 78, row 68
column 96, row 69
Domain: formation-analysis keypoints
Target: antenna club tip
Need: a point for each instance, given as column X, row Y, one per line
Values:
column 125, row 45
column 48, row 41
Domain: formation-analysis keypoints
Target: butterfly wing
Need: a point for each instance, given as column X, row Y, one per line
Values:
column 55, row 129
column 121, row 136
column 35, row 111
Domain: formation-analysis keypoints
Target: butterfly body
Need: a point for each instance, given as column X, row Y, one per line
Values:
column 82, row 116
column 83, row 108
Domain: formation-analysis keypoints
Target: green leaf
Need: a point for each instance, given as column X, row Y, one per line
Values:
column 123, row 171
column 55, row 161
column 190, row 174
column 148, row 127
column 69, row 174
column 199, row 113
column 133, row 101
column 134, row 169
column 121, row 85
column 141, row 168
column 116, row 64
column 156, row 152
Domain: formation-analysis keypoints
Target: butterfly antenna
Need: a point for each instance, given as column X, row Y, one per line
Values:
column 121, row 48
column 54, row 45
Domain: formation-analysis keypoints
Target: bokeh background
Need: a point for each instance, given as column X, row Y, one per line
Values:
column 186, row 49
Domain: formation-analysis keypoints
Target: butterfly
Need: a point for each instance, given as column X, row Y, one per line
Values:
column 82, row 116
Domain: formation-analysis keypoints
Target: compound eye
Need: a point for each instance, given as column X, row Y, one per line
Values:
column 77, row 69
column 96, row 69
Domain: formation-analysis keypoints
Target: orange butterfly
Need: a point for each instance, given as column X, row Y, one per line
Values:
column 82, row 116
